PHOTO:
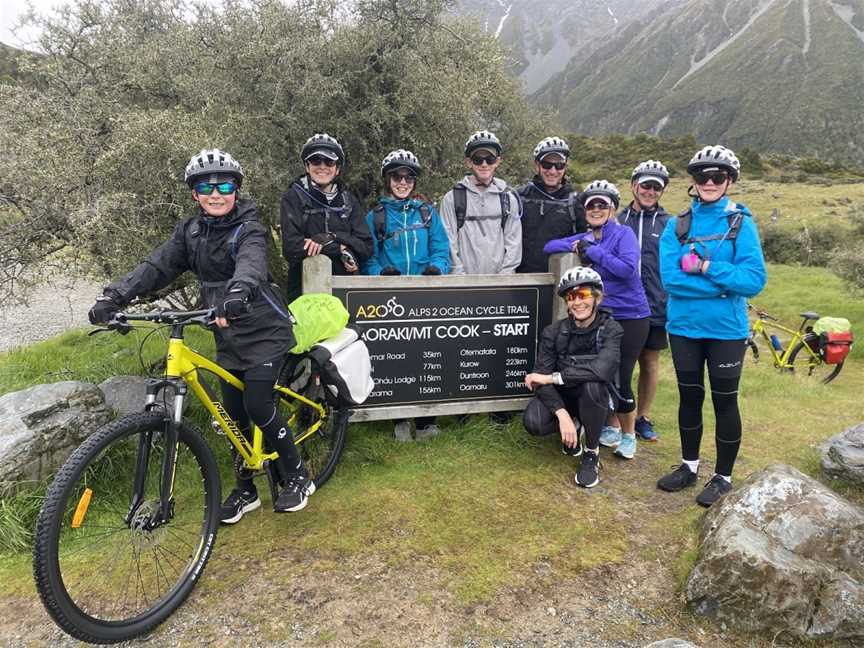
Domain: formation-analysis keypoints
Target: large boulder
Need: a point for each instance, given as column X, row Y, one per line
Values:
column 843, row 455
column 782, row 552
column 40, row 426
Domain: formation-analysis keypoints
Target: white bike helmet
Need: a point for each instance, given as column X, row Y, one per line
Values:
column 482, row 139
column 212, row 161
column 579, row 276
column 715, row 157
column 551, row 145
column 650, row 170
column 602, row 188
column 400, row 158
column 323, row 144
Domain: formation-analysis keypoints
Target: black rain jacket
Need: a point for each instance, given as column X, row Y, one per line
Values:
column 305, row 212
column 581, row 355
column 546, row 217
column 224, row 253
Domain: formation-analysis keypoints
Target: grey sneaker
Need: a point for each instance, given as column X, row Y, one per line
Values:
column 402, row 431
column 427, row 432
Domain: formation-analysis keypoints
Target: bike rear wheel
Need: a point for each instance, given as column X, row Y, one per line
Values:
column 104, row 579
column 804, row 363
column 321, row 449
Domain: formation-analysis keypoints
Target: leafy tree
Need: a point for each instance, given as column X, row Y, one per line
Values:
column 96, row 134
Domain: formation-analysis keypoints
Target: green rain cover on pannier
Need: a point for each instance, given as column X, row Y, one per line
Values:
column 831, row 325
column 317, row 316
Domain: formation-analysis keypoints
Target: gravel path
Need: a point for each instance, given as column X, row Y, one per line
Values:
column 55, row 306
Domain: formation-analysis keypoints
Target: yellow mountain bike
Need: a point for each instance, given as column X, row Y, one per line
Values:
column 130, row 520
column 798, row 352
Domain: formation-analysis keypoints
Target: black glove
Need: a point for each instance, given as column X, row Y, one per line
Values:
column 103, row 310
column 390, row 271
column 348, row 259
column 236, row 303
column 431, row 270
column 582, row 247
column 324, row 238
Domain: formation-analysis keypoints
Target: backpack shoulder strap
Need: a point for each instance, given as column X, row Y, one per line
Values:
column 460, row 204
column 682, row 226
column 232, row 242
column 734, row 219
column 379, row 223
column 426, row 215
column 504, row 197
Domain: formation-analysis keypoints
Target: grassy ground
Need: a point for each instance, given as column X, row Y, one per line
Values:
column 477, row 534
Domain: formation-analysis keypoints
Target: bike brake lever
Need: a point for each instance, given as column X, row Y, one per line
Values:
column 97, row 331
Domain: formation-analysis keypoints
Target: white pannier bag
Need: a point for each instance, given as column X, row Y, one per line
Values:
column 345, row 366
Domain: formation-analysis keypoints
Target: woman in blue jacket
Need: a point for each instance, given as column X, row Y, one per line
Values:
column 711, row 262
column 408, row 238
column 613, row 251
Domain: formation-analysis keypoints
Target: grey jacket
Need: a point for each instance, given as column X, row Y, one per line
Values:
column 481, row 246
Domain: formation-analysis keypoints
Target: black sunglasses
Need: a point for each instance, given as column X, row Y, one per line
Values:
column 403, row 177
column 596, row 205
column 480, row 159
column 558, row 166
column 317, row 160
column 656, row 186
column 224, row 188
column 717, row 177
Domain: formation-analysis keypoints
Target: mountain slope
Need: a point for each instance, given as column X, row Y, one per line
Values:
column 779, row 75
column 542, row 37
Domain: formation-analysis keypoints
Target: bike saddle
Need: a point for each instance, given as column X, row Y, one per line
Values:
column 808, row 315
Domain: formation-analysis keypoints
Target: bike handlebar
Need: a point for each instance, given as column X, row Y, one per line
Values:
column 761, row 314
column 120, row 321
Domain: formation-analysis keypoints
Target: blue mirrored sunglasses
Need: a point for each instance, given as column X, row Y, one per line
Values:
column 224, row 188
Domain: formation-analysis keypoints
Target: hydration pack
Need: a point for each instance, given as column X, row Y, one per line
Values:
column 460, row 206
column 379, row 220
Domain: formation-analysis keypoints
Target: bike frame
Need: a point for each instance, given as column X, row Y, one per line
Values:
column 181, row 374
column 781, row 360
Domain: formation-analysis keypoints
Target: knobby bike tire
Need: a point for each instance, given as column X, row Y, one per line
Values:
column 818, row 370
column 79, row 571
column 321, row 451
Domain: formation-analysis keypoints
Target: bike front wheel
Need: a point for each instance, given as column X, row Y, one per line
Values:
column 106, row 567
column 805, row 362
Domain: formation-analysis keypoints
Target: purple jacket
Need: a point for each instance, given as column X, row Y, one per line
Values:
column 616, row 258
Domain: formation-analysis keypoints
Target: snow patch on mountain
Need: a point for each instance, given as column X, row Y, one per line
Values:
column 846, row 14
column 612, row 13
column 805, row 5
column 695, row 66
column 503, row 18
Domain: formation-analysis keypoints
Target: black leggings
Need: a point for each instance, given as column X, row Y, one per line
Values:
column 632, row 343
column 724, row 359
column 258, row 403
column 588, row 403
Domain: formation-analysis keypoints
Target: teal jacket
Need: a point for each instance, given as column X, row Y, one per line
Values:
column 712, row 305
column 409, row 245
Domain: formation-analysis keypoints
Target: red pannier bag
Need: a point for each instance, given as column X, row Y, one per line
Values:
column 835, row 346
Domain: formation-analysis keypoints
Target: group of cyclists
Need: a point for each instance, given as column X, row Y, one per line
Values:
column 642, row 274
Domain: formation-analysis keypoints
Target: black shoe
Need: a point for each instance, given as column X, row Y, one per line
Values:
column 677, row 480
column 296, row 493
column 575, row 451
column 716, row 488
column 237, row 504
column 588, row 474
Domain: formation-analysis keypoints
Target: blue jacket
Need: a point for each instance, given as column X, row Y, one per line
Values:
column 712, row 305
column 616, row 258
column 648, row 226
column 410, row 245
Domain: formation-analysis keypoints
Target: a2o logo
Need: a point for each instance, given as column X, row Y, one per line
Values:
column 380, row 311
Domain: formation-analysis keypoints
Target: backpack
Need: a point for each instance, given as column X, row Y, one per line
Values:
column 346, row 368
column 317, row 316
column 572, row 197
column 460, row 206
column 309, row 210
column 685, row 220
column 379, row 220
